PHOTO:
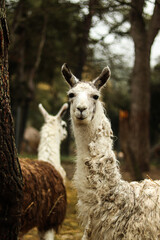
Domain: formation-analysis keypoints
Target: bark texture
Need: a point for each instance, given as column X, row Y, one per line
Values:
column 10, row 173
column 143, row 34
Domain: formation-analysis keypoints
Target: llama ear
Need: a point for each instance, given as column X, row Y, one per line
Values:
column 68, row 75
column 62, row 110
column 102, row 78
column 43, row 111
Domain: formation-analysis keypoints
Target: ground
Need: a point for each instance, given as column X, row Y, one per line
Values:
column 71, row 230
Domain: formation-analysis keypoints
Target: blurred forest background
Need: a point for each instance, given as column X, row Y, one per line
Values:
column 88, row 35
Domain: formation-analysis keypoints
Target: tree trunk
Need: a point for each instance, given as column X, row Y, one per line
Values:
column 83, row 42
column 10, row 173
column 143, row 37
column 140, row 108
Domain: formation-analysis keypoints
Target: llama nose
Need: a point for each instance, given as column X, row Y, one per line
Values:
column 81, row 109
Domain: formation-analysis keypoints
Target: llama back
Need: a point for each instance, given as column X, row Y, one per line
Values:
column 44, row 204
column 49, row 146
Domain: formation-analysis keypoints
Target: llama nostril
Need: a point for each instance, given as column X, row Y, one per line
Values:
column 81, row 109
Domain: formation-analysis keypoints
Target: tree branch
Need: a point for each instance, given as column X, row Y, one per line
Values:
column 138, row 28
column 17, row 16
column 39, row 53
column 137, row 6
column 154, row 25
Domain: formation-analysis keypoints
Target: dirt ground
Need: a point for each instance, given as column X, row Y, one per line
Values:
column 70, row 229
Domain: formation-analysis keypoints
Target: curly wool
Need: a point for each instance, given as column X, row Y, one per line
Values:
column 109, row 207
column 45, row 201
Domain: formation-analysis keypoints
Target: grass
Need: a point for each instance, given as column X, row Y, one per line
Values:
column 69, row 159
column 27, row 155
column 64, row 158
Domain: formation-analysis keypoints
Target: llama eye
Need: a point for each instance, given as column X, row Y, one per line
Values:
column 95, row 97
column 71, row 95
column 63, row 125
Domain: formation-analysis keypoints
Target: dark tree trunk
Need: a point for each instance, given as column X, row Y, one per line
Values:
column 143, row 37
column 10, row 173
column 130, row 160
column 83, row 42
column 140, row 109
column 140, row 89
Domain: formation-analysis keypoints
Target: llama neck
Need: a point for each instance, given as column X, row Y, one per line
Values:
column 94, row 152
column 49, row 147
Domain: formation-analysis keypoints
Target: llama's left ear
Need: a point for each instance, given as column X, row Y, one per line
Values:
column 102, row 78
column 43, row 111
column 62, row 110
column 68, row 75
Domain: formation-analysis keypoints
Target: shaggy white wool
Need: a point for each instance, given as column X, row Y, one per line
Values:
column 109, row 208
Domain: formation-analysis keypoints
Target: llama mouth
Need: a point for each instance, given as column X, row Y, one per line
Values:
column 81, row 117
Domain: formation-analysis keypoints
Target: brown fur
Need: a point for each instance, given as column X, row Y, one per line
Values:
column 44, row 204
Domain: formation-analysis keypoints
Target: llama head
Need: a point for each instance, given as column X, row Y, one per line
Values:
column 56, row 121
column 84, row 96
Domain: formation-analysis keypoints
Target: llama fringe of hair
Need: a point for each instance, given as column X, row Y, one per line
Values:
column 44, row 203
column 115, row 209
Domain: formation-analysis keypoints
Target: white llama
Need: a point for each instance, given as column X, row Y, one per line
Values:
column 52, row 133
column 109, row 207
column 44, row 204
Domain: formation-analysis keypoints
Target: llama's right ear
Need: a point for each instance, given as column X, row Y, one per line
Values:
column 102, row 78
column 62, row 110
column 68, row 75
column 43, row 111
